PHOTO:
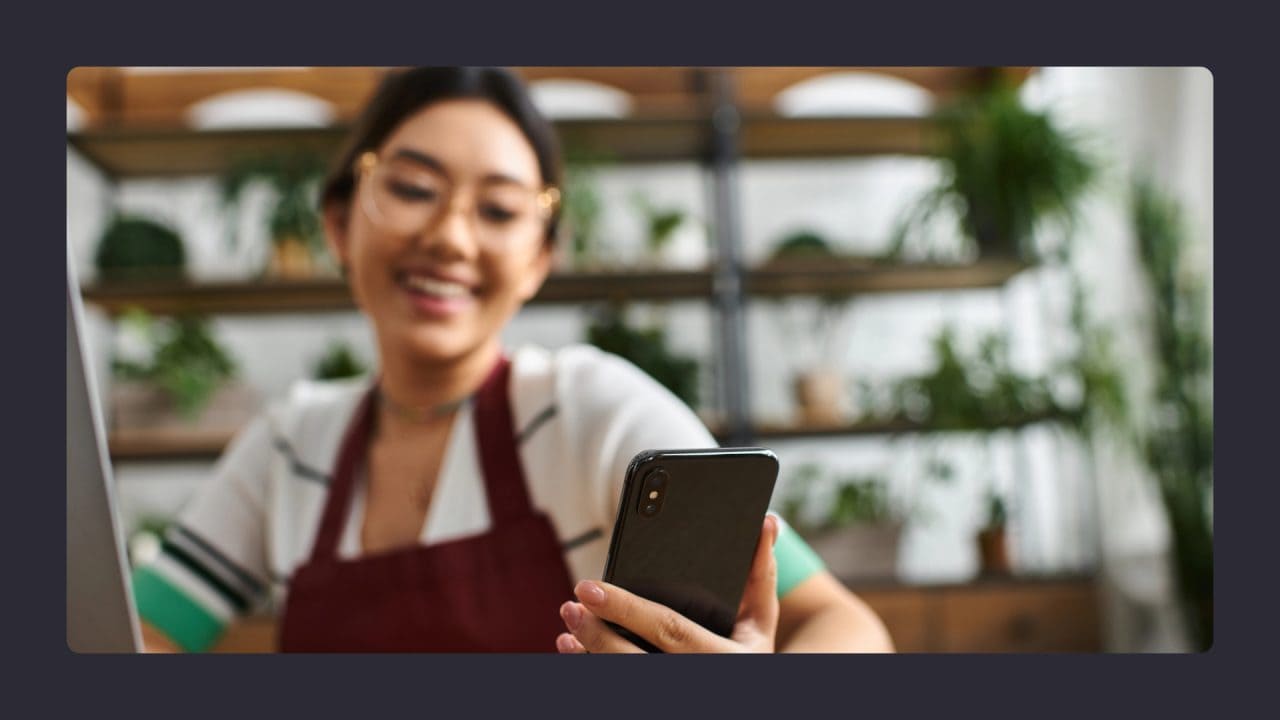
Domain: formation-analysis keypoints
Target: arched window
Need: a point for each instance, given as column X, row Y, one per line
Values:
column 565, row 99
column 853, row 93
column 259, row 108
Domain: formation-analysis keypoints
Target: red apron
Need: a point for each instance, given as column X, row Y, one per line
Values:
column 500, row 591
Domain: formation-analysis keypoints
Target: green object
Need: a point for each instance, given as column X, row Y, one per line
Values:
column 859, row 499
column 581, row 202
column 294, row 178
column 1007, row 169
column 976, row 392
column 181, row 619
column 338, row 362
column 646, row 348
column 134, row 248
column 1178, row 441
column 803, row 244
column 661, row 223
column 797, row 561
column 997, row 513
column 188, row 364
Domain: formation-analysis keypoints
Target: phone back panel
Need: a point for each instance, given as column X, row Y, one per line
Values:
column 694, row 554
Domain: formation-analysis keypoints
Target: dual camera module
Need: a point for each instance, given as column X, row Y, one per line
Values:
column 652, row 492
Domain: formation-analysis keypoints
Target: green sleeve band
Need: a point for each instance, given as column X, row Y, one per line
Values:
column 180, row 618
column 797, row 561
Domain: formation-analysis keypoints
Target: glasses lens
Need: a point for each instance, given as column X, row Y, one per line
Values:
column 408, row 200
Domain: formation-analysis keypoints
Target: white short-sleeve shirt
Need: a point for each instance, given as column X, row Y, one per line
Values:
column 580, row 416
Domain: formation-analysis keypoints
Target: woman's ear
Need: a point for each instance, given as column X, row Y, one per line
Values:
column 336, row 216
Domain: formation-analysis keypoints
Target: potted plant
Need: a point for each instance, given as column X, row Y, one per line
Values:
column 293, row 219
column 338, row 363
column 173, row 374
column 647, row 349
column 1007, row 169
column 993, row 549
column 818, row 386
column 856, row 533
column 582, row 206
column 672, row 236
column 136, row 248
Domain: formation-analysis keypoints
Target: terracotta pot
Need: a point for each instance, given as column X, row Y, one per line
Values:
column 819, row 396
column 860, row 552
column 291, row 258
column 993, row 549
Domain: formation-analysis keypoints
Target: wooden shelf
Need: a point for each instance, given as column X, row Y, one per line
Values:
column 179, row 444
column 766, row 431
column 167, row 444
column 141, row 152
column 331, row 294
column 854, row 277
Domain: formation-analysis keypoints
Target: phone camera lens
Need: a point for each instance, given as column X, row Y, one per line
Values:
column 651, row 509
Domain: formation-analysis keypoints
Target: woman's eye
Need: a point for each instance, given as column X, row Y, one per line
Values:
column 412, row 192
column 496, row 213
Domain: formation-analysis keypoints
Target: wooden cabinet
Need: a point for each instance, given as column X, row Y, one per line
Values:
column 1042, row 615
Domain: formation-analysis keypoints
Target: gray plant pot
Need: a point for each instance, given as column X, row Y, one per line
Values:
column 860, row 552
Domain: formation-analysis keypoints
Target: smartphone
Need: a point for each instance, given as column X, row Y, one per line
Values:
column 687, row 528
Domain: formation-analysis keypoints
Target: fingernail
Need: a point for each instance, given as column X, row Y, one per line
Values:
column 564, row 643
column 590, row 593
column 571, row 614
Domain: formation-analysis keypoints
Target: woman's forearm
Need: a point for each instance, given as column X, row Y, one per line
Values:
column 821, row 615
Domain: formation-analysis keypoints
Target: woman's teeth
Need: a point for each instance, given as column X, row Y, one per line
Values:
column 439, row 288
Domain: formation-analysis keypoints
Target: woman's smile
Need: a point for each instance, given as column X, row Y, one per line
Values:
column 437, row 294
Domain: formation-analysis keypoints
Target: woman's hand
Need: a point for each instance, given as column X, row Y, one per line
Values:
column 668, row 630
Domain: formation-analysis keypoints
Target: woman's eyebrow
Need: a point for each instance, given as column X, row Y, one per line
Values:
column 420, row 158
column 428, row 161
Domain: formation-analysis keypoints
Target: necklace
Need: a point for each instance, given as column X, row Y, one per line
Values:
column 417, row 413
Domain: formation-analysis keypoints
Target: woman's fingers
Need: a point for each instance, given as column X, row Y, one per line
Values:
column 667, row 629
column 567, row 644
column 757, row 623
column 590, row 633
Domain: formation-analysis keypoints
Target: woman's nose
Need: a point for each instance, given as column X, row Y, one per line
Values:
column 453, row 232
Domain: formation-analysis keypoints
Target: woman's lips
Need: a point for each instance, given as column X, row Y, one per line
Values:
column 435, row 296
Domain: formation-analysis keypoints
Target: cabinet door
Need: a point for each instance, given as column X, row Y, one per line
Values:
column 1057, row 617
column 906, row 614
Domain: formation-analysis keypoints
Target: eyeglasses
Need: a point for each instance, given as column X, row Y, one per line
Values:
column 407, row 199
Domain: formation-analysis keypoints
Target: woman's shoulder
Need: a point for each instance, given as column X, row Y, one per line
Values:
column 313, row 414
column 589, row 386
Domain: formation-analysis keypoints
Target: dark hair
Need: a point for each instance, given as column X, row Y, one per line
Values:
column 404, row 92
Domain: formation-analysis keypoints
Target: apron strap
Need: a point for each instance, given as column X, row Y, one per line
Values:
column 354, row 449
column 495, row 429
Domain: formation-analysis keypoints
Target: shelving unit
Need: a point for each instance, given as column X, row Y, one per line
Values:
column 714, row 117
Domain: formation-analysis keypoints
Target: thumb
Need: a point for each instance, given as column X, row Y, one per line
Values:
column 760, row 598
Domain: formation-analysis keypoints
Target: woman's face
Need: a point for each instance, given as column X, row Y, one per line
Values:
column 437, row 240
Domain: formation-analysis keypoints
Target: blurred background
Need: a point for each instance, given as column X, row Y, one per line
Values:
column 969, row 308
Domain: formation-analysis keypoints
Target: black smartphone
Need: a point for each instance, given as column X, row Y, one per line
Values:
column 687, row 528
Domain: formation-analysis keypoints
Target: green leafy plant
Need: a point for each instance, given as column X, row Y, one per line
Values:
column 997, row 513
column 1178, row 441
column 293, row 177
column 859, row 498
column 661, row 223
column 971, row 392
column 647, row 349
column 138, row 248
column 801, row 245
column 1007, row 169
column 338, row 362
column 582, row 204
column 187, row 363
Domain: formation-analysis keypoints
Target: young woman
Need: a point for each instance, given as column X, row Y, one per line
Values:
column 461, row 499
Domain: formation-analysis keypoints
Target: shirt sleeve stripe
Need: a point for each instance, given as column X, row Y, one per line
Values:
column 182, row 620
column 228, row 593
column 797, row 561
column 194, row 544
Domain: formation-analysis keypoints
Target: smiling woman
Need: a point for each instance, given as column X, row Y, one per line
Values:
column 452, row 501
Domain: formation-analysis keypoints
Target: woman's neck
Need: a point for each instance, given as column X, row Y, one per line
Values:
column 433, row 390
